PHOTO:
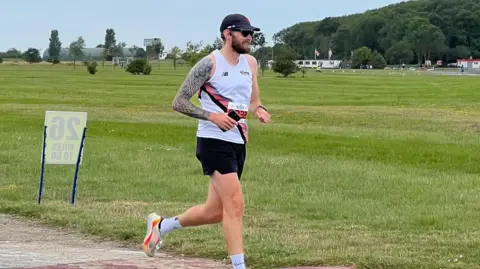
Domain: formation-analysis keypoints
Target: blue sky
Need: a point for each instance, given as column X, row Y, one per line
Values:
column 175, row 22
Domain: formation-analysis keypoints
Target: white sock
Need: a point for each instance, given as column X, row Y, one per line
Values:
column 168, row 225
column 238, row 261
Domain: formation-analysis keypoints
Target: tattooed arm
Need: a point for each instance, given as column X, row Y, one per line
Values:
column 195, row 79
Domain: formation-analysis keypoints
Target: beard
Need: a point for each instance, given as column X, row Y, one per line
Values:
column 239, row 47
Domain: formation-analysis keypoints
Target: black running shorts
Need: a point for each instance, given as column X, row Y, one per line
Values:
column 219, row 155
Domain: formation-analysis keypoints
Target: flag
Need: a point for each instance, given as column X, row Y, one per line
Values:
column 317, row 53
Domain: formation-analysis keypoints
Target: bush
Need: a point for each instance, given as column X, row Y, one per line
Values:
column 378, row 62
column 1, row 60
column 147, row 70
column 53, row 61
column 285, row 67
column 139, row 66
column 92, row 67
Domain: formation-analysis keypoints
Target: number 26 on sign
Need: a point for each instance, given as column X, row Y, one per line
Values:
column 63, row 140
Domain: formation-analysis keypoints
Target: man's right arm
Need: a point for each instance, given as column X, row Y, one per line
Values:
column 197, row 76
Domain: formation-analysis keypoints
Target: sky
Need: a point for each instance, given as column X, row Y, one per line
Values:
column 174, row 22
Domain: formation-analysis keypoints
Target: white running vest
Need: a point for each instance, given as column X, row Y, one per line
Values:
column 229, row 88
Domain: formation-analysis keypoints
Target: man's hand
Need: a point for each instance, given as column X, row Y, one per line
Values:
column 222, row 120
column 262, row 115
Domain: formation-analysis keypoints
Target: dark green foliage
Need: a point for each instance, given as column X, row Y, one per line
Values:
column 284, row 62
column 147, row 70
column 32, row 55
column 54, row 46
column 139, row 66
column 285, row 67
column 91, row 67
column 378, row 61
column 427, row 30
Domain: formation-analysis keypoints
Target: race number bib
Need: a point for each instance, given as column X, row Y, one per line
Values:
column 240, row 109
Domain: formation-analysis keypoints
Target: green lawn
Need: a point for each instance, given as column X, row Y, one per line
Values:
column 374, row 170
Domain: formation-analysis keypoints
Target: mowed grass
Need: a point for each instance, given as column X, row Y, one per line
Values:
column 367, row 170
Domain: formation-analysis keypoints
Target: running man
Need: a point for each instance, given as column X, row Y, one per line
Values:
column 226, row 83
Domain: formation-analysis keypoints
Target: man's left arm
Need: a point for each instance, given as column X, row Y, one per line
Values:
column 255, row 101
column 256, row 106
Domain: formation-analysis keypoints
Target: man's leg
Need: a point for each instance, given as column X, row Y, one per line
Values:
column 210, row 212
column 230, row 192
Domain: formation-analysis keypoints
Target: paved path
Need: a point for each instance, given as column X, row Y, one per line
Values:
column 25, row 244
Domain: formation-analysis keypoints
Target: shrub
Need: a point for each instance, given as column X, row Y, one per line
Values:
column 91, row 67
column 285, row 67
column 147, row 70
column 139, row 66
column 1, row 60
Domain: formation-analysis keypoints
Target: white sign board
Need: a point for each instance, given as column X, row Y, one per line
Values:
column 64, row 136
column 151, row 41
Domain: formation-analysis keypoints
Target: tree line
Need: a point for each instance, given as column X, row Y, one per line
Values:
column 404, row 33
column 111, row 48
column 408, row 32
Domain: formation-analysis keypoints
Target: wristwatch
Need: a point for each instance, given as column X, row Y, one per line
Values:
column 260, row 106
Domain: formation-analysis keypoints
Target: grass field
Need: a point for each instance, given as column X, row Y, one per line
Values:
column 377, row 171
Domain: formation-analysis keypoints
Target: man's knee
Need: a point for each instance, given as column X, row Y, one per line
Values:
column 235, row 206
column 230, row 191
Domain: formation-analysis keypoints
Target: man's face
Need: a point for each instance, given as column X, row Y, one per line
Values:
column 241, row 41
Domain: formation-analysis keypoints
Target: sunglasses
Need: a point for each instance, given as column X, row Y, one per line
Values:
column 245, row 33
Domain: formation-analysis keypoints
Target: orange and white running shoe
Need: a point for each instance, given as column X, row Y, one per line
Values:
column 153, row 240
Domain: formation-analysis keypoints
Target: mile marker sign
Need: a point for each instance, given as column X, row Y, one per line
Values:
column 63, row 140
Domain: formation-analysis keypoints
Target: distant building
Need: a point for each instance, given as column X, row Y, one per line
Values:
column 325, row 64
column 94, row 54
column 469, row 63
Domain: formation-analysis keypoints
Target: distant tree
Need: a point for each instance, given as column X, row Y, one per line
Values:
column 425, row 38
column 361, row 56
column 433, row 30
column 263, row 63
column 260, row 53
column 377, row 61
column 76, row 49
column 194, row 52
column 284, row 63
column 110, row 42
column 175, row 53
column 133, row 50
column 159, row 50
column 13, row 53
column 458, row 52
column 140, row 53
column 32, row 55
column 342, row 42
column 258, row 40
column 117, row 50
column 217, row 44
column 54, row 46
column 399, row 53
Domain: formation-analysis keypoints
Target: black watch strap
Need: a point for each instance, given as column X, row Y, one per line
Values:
column 260, row 106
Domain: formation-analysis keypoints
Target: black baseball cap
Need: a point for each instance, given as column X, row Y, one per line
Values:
column 237, row 22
